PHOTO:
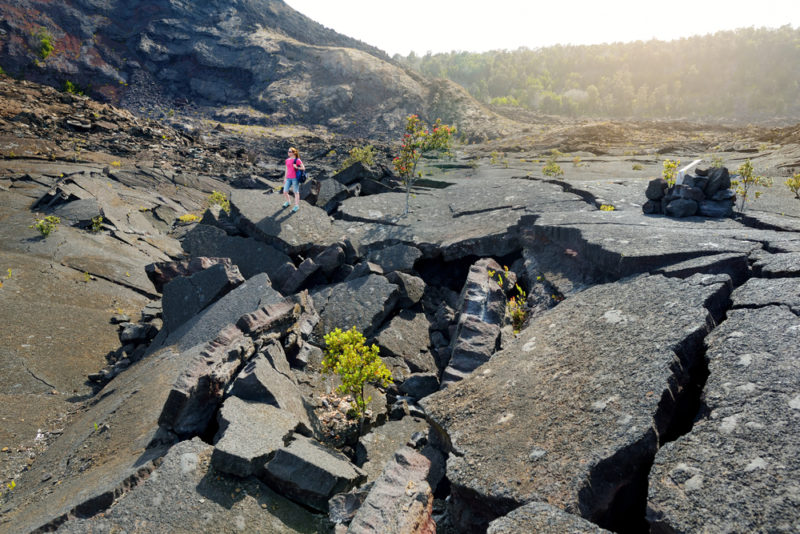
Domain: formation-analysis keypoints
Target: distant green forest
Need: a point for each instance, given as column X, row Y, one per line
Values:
column 747, row 74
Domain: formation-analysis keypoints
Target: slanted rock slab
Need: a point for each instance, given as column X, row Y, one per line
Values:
column 310, row 473
column 407, row 337
column 185, row 296
column 579, row 400
column 738, row 470
column 760, row 292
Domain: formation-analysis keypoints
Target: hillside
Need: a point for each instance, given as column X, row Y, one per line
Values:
column 744, row 75
column 245, row 61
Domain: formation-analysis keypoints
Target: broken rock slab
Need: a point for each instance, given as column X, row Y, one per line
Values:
column 267, row 379
column 198, row 391
column 738, row 469
column 185, row 296
column 364, row 303
column 542, row 518
column 579, row 399
column 407, row 337
column 396, row 258
column 310, row 473
column 781, row 265
column 263, row 218
column 250, row 255
column 760, row 292
column 161, row 273
column 190, row 496
column 249, row 434
column 401, row 500
column 481, row 312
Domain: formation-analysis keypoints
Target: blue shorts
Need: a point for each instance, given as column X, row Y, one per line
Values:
column 291, row 183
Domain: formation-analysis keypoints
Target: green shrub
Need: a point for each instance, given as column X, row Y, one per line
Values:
column 365, row 155
column 637, row 167
column 716, row 162
column 44, row 43
column 220, row 199
column 97, row 224
column 72, row 88
column 46, row 225
column 355, row 364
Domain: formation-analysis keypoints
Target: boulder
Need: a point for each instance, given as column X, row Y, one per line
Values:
column 542, row 518
column 480, row 315
column 580, row 400
column 249, row 434
column 197, row 392
column 330, row 259
column 343, row 506
column 737, row 470
column 311, row 474
column 296, row 280
column 263, row 218
column 185, row 296
column 406, row 337
column 377, row 447
column 268, row 379
column 332, row 193
column 250, row 255
column 356, row 172
column 362, row 269
column 136, row 333
column 401, row 500
column 78, row 212
column 363, row 302
column 681, row 207
column 715, row 208
column 412, row 288
column 396, row 258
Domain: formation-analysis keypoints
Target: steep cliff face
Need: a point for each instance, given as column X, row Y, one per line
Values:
column 255, row 61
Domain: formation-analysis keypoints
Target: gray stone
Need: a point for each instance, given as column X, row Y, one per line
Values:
column 364, row 303
column 580, row 399
column 249, row 434
column 343, row 506
column 197, row 392
column 331, row 193
column 356, row 172
column 718, row 179
column 268, row 379
column 137, row 333
column 263, row 217
column 362, row 269
column 412, row 288
column 406, row 337
column 778, row 265
column 738, row 468
column 760, row 292
column 420, row 385
column 185, row 296
column 162, row 273
column 330, row 259
column 480, row 316
column 681, row 207
column 250, row 255
column 311, row 474
column 296, row 280
column 396, row 258
column 401, row 500
column 542, row 518
column 191, row 497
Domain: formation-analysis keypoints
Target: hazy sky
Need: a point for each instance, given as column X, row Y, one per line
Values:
column 472, row 25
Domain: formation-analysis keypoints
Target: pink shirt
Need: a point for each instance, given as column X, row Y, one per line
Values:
column 291, row 173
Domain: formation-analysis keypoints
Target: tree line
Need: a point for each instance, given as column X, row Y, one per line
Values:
column 747, row 74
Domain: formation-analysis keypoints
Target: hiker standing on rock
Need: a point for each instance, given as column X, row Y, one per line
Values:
column 293, row 164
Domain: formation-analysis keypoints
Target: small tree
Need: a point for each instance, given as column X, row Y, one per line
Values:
column 418, row 141
column 670, row 172
column 746, row 182
column 355, row 363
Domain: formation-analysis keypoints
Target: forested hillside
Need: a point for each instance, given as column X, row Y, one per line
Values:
column 747, row 74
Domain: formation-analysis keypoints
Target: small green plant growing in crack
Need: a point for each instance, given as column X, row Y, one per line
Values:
column 747, row 182
column 516, row 304
column 219, row 199
column 356, row 364
column 46, row 225
column 793, row 184
column 97, row 224
column 551, row 168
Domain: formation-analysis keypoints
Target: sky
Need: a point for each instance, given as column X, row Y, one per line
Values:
column 478, row 25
